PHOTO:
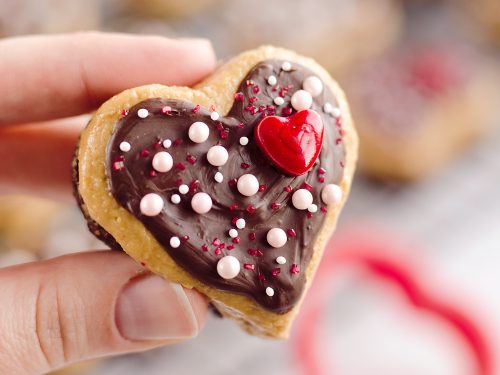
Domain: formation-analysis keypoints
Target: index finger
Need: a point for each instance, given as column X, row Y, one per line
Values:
column 48, row 77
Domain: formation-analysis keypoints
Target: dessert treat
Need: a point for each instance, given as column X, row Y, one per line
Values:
column 231, row 187
column 416, row 109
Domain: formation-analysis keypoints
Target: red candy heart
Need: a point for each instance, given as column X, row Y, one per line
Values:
column 291, row 143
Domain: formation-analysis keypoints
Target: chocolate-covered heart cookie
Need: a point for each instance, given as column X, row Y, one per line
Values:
column 231, row 187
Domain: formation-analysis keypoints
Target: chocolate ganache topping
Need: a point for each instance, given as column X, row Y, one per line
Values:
column 273, row 277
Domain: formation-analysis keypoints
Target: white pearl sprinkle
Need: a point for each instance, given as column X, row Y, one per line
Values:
column 167, row 143
column 175, row 199
column 336, row 112
column 198, row 132
column 175, row 242
column 243, row 141
column 162, row 162
column 276, row 237
column 201, row 203
column 331, row 194
column 272, row 80
column 214, row 116
column 233, row 233
column 248, row 185
column 240, row 223
column 281, row 260
column 328, row 108
column 151, row 204
column 219, row 177
column 217, row 155
column 279, row 100
column 183, row 189
column 313, row 85
column 286, row 66
column 228, row 267
column 143, row 113
column 125, row 146
column 301, row 99
column 312, row 208
column 270, row 291
column 302, row 199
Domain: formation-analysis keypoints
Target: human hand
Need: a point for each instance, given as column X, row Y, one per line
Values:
column 99, row 303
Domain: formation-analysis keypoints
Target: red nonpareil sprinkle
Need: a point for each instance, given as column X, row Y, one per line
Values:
column 216, row 242
column 324, row 210
column 262, row 108
column 250, row 209
column 252, row 236
column 287, row 111
column 287, row 189
column 309, row 215
column 232, row 182
column 342, row 165
column 253, row 99
column 152, row 173
column 283, row 92
column 204, row 247
column 275, row 271
column 234, row 220
column 180, row 166
column 118, row 165
column 222, row 245
column 240, row 125
column 306, row 186
column 236, row 240
column 321, row 179
column 249, row 108
column 239, row 96
column 144, row 153
column 185, row 238
column 178, row 181
column 275, row 206
column 253, row 111
column 294, row 269
column 218, row 251
column 255, row 252
column 196, row 108
column 223, row 135
column 321, row 170
column 338, row 121
column 249, row 82
column 143, row 264
column 249, row 266
column 256, row 89
column 230, row 247
column 245, row 165
column 191, row 159
column 120, row 158
column 341, row 132
column 219, row 126
column 166, row 110
column 157, row 145
column 262, row 187
column 124, row 113
column 177, row 142
column 194, row 185
column 291, row 233
column 233, row 207
column 338, row 141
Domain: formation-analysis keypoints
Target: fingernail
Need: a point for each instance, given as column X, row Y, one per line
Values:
column 151, row 308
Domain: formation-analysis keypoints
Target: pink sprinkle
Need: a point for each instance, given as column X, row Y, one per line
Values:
column 191, row 159
column 193, row 186
column 309, row 215
column 124, row 112
column 255, row 252
column 239, row 96
column 218, row 251
column 287, row 111
column 287, row 189
column 204, row 247
column 275, row 271
column 262, row 188
column 219, row 126
column 166, row 110
column 324, row 210
column 291, row 233
column 216, row 242
column 253, row 111
column 144, row 153
column 143, row 264
column 250, row 209
column 180, row 166
column 240, row 125
column 223, row 135
column 236, row 240
column 249, row 266
column 185, row 238
column 341, row 132
column 157, row 145
column 294, row 269
column 262, row 108
column 178, row 181
column 321, row 179
column 233, row 182
column 249, row 108
column 196, row 108
column 234, row 220
column 321, row 170
column 283, row 92
column 252, row 100
column 230, row 247
column 178, row 142
column 249, row 82
column 338, row 141
column 338, row 121
column 252, row 236
column 118, row 165
column 245, row 165
column 256, row 89
column 233, row 207
column 306, row 186
column 222, row 245
column 275, row 206
column 152, row 173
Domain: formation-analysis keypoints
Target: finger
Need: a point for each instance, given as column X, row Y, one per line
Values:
column 88, row 305
column 47, row 77
column 36, row 158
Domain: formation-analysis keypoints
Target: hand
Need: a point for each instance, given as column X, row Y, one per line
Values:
column 93, row 304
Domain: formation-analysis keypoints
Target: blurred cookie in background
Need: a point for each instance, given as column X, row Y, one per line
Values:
column 485, row 14
column 20, row 17
column 418, row 107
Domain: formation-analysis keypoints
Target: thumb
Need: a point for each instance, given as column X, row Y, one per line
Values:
column 88, row 305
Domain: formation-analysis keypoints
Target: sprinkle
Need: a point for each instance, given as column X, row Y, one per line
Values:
column 291, row 233
column 217, row 155
column 125, row 146
column 218, row 251
column 118, row 165
column 309, row 215
column 185, row 238
column 230, row 247
column 252, row 236
column 313, row 85
column 180, row 166
column 312, row 208
column 228, row 267
column 175, row 199
column 324, row 210
column 302, row 199
column 321, row 170
column 194, row 185
column 233, row 207
column 271, row 80
column 236, row 240
column 248, row 266
column 247, row 185
column 243, row 141
column 178, row 142
column 279, row 100
column 294, row 269
column 262, row 188
column 124, row 113
column 276, row 237
column 287, row 111
column 306, row 186
column 250, row 209
column 270, row 291
column 336, row 112
column 183, row 189
column 162, row 162
column 255, row 252
column 204, row 247
column 239, row 96
column 275, row 206
column 253, row 99
column 201, row 203
column 214, row 116
column 287, row 189
column 219, row 177
column 198, row 132
column 276, row 271
column 216, row 242
column 175, row 242
column 256, row 89
column 143, row 113
column 152, row 173
column 286, row 66
column 191, row 159
column 249, row 82
column 301, row 99
column 167, row 143
column 196, row 108
column 245, row 165
column 166, row 110
column 234, row 220
column 151, row 204
column 144, row 153
column 281, row 260
column 328, row 108
column 240, row 223
column 233, row 233
column 178, row 181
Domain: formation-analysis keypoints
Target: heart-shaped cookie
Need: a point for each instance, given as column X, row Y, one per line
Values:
column 183, row 181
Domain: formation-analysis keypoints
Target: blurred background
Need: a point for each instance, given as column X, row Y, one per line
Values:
column 410, row 281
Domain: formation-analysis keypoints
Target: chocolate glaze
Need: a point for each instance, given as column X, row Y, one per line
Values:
column 129, row 184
